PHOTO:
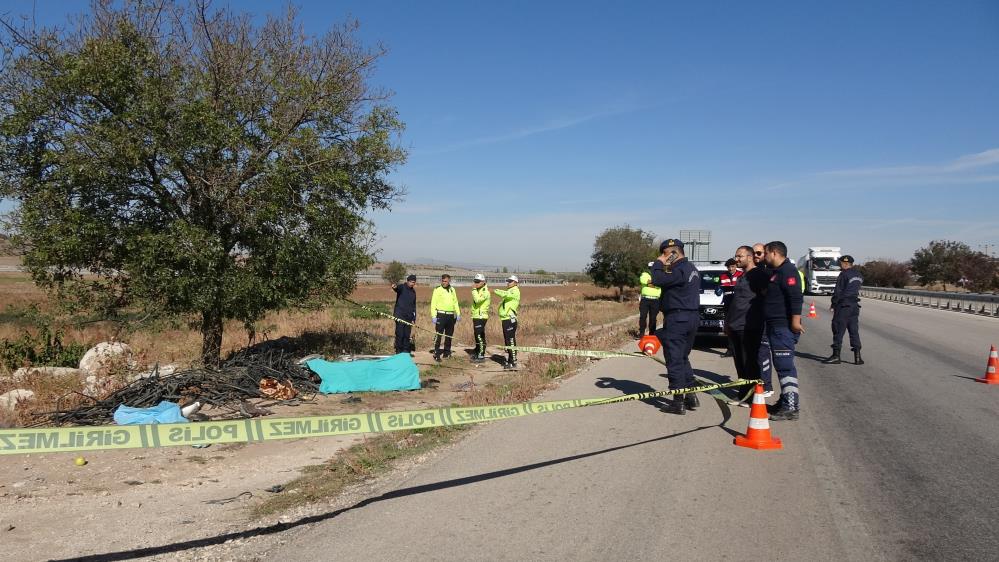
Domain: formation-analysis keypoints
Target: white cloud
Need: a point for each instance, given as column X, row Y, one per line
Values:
column 549, row 126
column 961, row 164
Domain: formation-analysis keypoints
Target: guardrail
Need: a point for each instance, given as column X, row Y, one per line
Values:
column 970, row 303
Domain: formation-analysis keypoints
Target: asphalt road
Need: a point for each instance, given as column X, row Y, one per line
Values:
column 897, row 459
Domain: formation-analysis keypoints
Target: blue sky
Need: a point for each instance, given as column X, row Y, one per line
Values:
column 533, row 126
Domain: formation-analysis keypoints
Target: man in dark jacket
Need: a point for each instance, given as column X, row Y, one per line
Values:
column 782, row 309
column 744, row 316
column 405, row 309
column 680, row 301
column 846, row 311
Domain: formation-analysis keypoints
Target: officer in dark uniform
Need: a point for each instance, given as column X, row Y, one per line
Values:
column 680, row 300
column 782, row 310
column 846, row 311
column 405, row 309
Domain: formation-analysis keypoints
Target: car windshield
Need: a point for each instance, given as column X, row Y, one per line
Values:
column 710, row 280
column 825, row 264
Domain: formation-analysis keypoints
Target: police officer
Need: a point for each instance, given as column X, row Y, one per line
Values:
column 681, row 284
column 507, row 312
column 405, row 309
column 648, row 307
column 782, row 310
column 846, row 311
column 480, row 314
column 444, row 313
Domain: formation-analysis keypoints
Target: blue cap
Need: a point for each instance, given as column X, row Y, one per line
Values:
column 671, row 243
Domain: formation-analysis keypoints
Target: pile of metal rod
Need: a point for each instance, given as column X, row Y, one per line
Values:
column 227, row 389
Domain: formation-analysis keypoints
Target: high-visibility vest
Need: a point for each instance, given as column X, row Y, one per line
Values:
column 510, row 303
column 648, row 292
column 444, row 300
column 480, row 302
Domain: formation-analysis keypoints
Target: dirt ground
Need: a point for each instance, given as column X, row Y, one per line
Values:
column 122, row 500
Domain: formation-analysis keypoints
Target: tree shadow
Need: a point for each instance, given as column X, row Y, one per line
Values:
column 391, row 495
column 311, row 341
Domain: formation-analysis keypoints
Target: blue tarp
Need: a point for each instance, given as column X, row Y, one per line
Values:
column 164, row 412
column 397, row 372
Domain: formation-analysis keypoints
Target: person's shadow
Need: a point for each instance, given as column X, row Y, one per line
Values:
column 812, row 356
column 632, row 387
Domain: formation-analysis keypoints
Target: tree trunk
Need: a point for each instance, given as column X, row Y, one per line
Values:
column 620, row 293
column 211, row 337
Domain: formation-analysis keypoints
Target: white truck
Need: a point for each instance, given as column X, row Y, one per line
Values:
column 820, row 267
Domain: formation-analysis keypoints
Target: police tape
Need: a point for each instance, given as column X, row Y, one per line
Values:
column 546, row 350
column 401, row 321
column 576, row 352
column 67, row 439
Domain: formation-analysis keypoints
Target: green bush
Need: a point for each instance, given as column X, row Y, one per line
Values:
column 47, row 348
column 366, row 314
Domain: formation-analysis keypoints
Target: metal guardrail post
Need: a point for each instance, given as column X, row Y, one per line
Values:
column 968, row 303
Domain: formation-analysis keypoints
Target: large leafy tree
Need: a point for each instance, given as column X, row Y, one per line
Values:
column 939, row 262
column 180, row 160
column 620, row 254
column 885, row 273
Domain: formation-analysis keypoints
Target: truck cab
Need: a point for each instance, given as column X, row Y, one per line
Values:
column 820, row 268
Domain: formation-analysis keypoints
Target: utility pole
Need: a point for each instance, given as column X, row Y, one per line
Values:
column 988, row 249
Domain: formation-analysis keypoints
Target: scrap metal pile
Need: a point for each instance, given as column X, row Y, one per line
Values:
column 270, row 374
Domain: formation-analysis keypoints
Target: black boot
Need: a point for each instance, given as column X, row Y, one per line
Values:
column 690, row 401
column 857, row 359
column 788, row 410
column 833, row 359
column 676, row 406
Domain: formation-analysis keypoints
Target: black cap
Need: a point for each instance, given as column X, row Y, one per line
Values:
column 411, row 278
column 847, row 259
column 671, row 243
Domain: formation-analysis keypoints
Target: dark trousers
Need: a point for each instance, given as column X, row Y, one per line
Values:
column 510, row 338
column 479, row 329
column 782, row 343
column 677, row 338
column 403, row 335
column 647, row 309
column 445, row 329
column 764, row 361
column 846, row 317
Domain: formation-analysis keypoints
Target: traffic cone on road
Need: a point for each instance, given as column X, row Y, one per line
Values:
column 991, row 369
column 758, row 435
column 649, row 345
column 811, row 311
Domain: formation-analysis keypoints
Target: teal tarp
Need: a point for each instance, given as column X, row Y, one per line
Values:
column 397, row 372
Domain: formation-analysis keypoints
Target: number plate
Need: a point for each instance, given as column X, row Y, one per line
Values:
column 712, row 323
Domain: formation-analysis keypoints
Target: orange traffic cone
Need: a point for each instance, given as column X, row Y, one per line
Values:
column 811, row 311
column 991, row 369
column 649, row 345
column 758, row 435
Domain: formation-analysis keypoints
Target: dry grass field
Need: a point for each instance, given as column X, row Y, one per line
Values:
column 562, row 316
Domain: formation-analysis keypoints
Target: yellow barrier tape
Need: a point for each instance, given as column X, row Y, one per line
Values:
column 66, row 439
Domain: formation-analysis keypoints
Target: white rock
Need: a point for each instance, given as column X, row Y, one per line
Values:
column 162, row 371
column 10, row 400
column 23, row 373
column 106, row 357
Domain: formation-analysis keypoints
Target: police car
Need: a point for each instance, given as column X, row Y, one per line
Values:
column 712, row 309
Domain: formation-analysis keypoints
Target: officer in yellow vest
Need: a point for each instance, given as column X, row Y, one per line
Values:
column 508, row 317
column 648, row 306
column 444, row 313
column 480, row 314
